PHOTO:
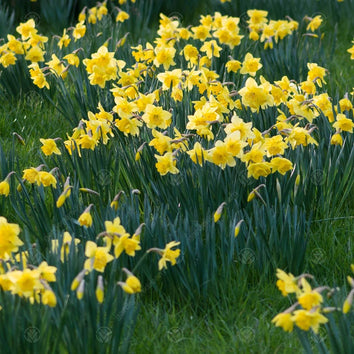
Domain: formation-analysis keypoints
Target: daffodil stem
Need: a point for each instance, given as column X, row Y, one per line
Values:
column 140, row 261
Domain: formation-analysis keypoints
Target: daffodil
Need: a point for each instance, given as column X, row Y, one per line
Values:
column 305, row 319
column 316, row 73
column 5, row 186
column 220, row 155
column 38, row 76
column 156, row 117
column 250, row 65
column 255, row 96
column 35, row 54
column 281, row 164
column 197, row 154
column 46, row 179
column 85, row 219
column 79, row 30
column 314, row 23
column 49, row 147
column 165, row 56
column 99, row 289
column 26, row 29
column 166, row 164
column 309, row 298
column 218, row 212
column 275, row 145
column 233, row 66
column 343, row 123
column 167, row 254
column 286, row 283
column 336, row 139
column 9, row 240
column 122, row 16
column 64, row 40
column 132, row 285
column 285, row 321
column 98, row 257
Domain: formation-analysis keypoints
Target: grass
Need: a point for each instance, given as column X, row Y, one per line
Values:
column 32, row 118
column 238, row 323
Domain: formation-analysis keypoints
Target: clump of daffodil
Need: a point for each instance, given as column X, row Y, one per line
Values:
column 31, row 283
column 308, row 311
column 102, row 67
column 122, row 241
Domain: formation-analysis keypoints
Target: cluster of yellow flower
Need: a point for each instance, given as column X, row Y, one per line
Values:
column 32, row 46
column 300, row 99
column 94, row 13
column 102, row 67
column 35, row 175
column 116, row 237
column 133, row 108
column 266, row 31
column 307, row 313
column 31, row 282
